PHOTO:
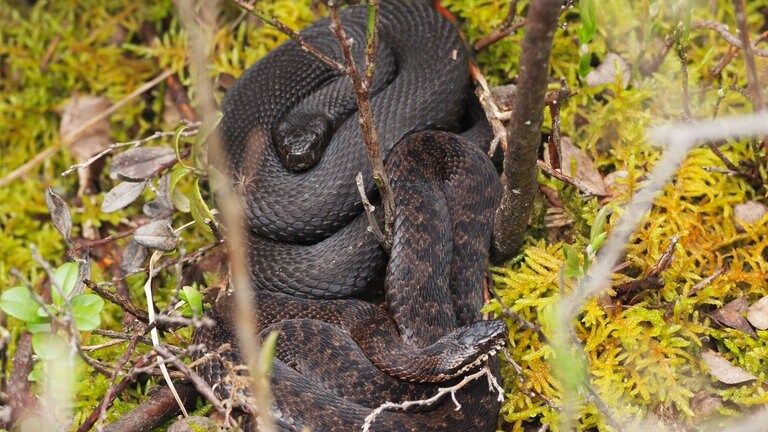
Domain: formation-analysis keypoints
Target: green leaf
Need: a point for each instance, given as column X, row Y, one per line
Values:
column 18, row 303
column 66, row 278
column 209, row 125
column 267, row 353
column 198, row 207
column 177, row 135
column 49, row 346
column 86, row 308
column 193, row 300
column 598, row 224
column 179, row 200
column 38, row 373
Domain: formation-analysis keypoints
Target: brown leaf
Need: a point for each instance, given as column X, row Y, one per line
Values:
column 76, row 114
column 705, row 404
column 723, row 370
column 577, row 164
column 122, row 195
column 732, row 315
column 141, row 163
column 757, row 314
column 608, row 71
column 156, row 235
column 162, row 204
column 748, row 213
column 60, row 213
column 134, row 257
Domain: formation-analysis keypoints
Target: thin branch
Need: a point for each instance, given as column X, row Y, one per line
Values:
column 503, row 30
column 293, row 34
column 135, row 143
column 722, row 30
column 442, row 392
column 373, row 225
column 490, row 107
column 362, row 96
column 547, row 168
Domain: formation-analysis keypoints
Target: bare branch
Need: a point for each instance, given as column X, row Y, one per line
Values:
column 525, row 130
column 442, row 392
column 722, row 30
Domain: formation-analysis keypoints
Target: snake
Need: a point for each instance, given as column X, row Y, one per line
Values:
column 292, row 139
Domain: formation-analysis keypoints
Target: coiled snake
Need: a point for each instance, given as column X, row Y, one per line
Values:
column 311, row 257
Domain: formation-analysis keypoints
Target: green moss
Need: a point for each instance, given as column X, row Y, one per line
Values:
column 643, row 359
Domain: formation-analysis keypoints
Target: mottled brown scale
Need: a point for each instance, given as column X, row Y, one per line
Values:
column 338, row 358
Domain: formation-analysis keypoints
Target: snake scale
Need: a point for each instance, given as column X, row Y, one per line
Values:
column 314, row 265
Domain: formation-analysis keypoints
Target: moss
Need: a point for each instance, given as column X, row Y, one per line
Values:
column 643, row 359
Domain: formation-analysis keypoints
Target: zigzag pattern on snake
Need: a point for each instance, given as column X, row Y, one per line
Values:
column 312, row 260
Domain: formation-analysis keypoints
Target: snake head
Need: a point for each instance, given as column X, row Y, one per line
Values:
column 301, row 138
column 475, row 344
column 456, row 353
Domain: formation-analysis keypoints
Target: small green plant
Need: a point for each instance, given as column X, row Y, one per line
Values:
column 577, row 262
column 67, row 311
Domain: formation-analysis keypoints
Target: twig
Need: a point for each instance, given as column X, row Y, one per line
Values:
column 653, row 279
column 565, row 178
column 135, row 143
column 722, row 30
column 362, row 87
column 442, row 392
column 202, row 387
column 708, row 280
column 293, row 34
column 373, row 225
column 100, row 413
column 118, row 300
column 490, row 107
column 501, row 31
column 506, row 311
column 67, row 140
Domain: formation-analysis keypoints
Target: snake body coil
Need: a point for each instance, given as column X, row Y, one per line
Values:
column 310, row 254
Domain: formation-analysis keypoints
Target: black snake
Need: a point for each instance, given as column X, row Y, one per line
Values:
column 309, row 250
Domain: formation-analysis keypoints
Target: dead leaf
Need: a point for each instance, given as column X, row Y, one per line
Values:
column 732, row 315
column 122, row 195
column 141, row 162
column 76, row 114
column 61, row 216
column 757, row 314
column 705, row 404
column 134, row 257
column 723, row 370
column 577, row 164
column 161, row 205
column 156, row 235
column 608, row 71
column 749, row 213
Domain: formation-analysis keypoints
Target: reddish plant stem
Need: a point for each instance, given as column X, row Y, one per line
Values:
column 20, row 400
